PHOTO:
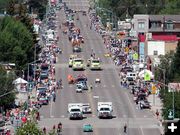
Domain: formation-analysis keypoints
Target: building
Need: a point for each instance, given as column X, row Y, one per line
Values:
column 157, row 34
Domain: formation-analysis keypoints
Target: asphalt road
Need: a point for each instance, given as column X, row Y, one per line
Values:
column 139, row 122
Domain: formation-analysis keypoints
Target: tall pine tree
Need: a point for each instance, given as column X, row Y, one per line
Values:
column 176, row 65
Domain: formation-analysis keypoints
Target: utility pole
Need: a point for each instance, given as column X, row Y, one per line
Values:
column 127, row 13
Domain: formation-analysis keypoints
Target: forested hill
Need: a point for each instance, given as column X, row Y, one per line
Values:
column 122, row 7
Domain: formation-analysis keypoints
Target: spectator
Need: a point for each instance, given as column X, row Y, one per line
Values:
column 125, row 128
column 157, row 114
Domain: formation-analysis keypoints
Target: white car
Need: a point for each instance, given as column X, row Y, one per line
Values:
column 79, row 88
column 86, row 108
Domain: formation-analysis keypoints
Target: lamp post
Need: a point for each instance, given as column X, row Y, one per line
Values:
column 28, row 71
column 173, row 106
column 164, row 76
column 111, row 14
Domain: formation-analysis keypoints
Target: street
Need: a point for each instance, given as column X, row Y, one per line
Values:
column 125, row 111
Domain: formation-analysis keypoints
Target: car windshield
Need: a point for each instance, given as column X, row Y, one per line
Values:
column 79, row 86
column 79, row 61
column 104, row 109
column 44, row 76
column 95, row 61
column 81, row 80
column 86, row 106
column 75, row 110
column 41, row 89
column 2, row 123
column 44, row 67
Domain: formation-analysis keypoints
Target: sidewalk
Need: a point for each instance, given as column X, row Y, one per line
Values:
column 156, row 105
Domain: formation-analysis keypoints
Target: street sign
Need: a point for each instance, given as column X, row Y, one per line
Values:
column 135, row 56
column 147, row 77
column 153, row 89
column 171, row 114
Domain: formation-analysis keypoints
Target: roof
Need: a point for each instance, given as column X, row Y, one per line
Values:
column 175, row 18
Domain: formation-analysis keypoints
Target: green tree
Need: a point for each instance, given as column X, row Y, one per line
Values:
column 175, row 65
column 165, row 63
column 3, row 5
column 171, row 63
column 168, row 104
column 16, row 42
column 172, row 7
column 7, row 95
column 123, row 7
column 29, row 128
column 38, row 7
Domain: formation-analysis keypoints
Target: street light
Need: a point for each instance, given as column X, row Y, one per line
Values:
column 34, row 71
column 108, row 11
column 164, row 76
column 113, row 16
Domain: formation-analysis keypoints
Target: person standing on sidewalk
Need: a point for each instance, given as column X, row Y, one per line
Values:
column 157, row 114
column 125, row 128
column 44, row 130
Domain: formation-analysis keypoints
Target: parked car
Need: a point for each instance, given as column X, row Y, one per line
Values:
column 145, row 104
column 2, row 127
column 130, row 81
column 44, row 100
column 140, row 97
column 84, row 13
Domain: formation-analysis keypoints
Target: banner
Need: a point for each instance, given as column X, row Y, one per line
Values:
column 147, row 77
column 141, row 51
column 135, row 56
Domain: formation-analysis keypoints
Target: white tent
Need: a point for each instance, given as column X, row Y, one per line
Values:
column 142, row 73
column 20, row 84
column 19, row 81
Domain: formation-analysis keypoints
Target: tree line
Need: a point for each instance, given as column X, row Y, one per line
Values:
column 17, row 41
column 170, row 63
column 122, row 8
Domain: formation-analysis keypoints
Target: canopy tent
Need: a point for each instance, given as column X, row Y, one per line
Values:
column 146, row 74
column 20, row 84
column 20, row 81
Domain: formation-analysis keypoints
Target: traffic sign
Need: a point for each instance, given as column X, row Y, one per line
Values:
column 171, row 114
column 153, row 89
column 147, row 77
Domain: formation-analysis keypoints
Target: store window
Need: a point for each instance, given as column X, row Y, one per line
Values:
column 169, row 25
column 155, row 52
column 141, row 25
